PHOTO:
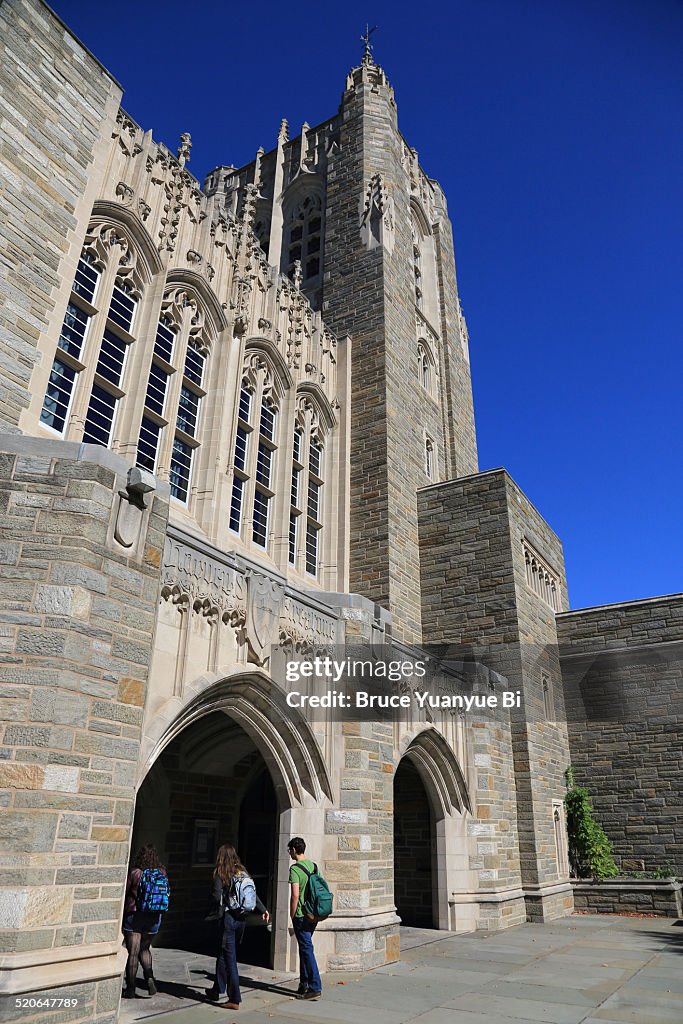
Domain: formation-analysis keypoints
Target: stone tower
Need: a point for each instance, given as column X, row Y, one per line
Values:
column 348, row 213
column 389, row 282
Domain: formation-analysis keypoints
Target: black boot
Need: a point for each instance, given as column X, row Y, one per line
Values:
column 128, row 992
column 149, row 978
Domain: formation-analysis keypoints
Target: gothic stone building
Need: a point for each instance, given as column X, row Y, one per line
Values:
column 237, row 419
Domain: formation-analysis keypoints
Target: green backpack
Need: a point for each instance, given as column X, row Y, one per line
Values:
column 317, row 904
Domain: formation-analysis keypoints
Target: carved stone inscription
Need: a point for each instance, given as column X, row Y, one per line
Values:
column 247, row 599
column 306, row 626
column 204, row 578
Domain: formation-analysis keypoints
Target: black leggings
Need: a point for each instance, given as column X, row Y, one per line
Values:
column 139, row 946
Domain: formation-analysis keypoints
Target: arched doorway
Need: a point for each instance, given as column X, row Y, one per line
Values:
column 209, row 786
column 414, row 849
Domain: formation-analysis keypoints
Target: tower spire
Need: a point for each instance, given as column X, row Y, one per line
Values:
column 365, row 39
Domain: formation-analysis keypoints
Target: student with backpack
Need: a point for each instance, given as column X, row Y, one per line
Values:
column 234, row 896
column 146, row 901
column 310, row 902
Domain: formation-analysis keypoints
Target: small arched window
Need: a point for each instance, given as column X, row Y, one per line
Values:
column 429, row 456
column 425, row 368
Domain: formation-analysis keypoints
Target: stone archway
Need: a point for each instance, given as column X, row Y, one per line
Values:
column 249, row 749
column 431, row 803
column 209, row 786
column 414, row 867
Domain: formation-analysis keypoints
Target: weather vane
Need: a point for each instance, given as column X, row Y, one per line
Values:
column 365, row 38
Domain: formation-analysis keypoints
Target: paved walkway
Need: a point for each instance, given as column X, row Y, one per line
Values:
column 580, row 970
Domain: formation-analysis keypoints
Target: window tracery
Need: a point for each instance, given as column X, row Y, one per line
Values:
column 426, row 370
column 255, row 452
column 303, row 238
column 175, row 391
column 109, row 277
column 306, row 498
column 542, row 580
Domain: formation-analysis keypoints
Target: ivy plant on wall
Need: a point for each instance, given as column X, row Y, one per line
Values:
column 590, row 851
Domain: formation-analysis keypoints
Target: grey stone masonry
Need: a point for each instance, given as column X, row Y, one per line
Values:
column 57, row 103
column 475, row 533
column 622, row 667
column 369, row 294
column 77, row 624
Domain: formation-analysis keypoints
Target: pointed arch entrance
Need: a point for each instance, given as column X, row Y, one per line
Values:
column 235, row 766
column 430, row 801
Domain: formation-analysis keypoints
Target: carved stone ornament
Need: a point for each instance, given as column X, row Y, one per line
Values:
column 306, row 629
column 125, row 193
column 377, row 215
column 207, row 581
column 263, row 615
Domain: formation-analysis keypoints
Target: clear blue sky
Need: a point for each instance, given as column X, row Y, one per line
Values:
column 555, row 128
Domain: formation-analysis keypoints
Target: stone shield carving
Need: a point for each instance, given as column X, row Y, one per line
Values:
column 263, row 614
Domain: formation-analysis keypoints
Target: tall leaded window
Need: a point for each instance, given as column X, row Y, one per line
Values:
column 176, row 386
column 186, row 439
column 306, row 498
column 265, row 458
column 296, row 492
column 106, row 389
column 154, row 419
column 68, row 362
column 314, row 507
column 254, row 456
column 86, row 382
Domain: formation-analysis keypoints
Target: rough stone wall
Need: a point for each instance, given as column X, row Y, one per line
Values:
column 622, row 668
column 362, row 873
column 540, row 742
column 468, row 598
column 57, row 104
column 475, row 593
column 77, row 627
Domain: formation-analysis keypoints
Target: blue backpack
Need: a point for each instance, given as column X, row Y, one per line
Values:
column 153, row 892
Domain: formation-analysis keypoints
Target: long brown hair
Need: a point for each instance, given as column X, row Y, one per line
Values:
column 228, row 863
column 147, row 857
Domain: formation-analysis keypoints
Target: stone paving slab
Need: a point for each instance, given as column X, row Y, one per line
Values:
column 582, row 970
column 567, row 996
column 550, row 1011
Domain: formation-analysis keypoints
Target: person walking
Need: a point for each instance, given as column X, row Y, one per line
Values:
column 234, row 896
column 310, row 985
column 146, row 901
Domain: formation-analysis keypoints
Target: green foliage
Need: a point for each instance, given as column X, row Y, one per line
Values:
column 590, row 851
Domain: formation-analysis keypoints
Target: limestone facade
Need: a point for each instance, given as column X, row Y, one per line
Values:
column 239, row 425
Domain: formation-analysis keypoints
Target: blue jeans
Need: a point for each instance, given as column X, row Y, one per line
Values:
column 309, row 975
column 227, row 974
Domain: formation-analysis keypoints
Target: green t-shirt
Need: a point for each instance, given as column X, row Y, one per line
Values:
column 297, row 875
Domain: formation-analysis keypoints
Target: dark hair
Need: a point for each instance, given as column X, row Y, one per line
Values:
column 297, row 844
column 228, row 863
column 147, row 857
